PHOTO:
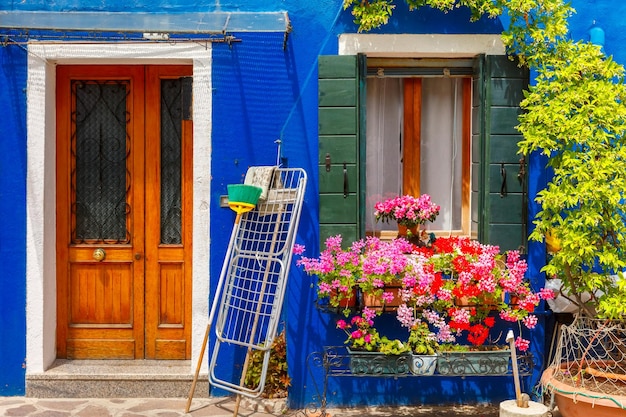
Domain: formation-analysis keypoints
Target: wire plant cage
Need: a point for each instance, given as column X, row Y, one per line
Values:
column 590, row 360
column 254, row 278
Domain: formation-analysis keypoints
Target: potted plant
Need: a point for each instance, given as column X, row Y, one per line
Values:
column 368, row 265
column 462, row 268
column 431, row 281
column 409, row 212
column 273, row 399
column 369, row 352
column 491, row 285
column 337, row 270
column 385, row 263
column 423, row 344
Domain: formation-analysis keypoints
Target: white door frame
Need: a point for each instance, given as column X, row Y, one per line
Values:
column 41, row 179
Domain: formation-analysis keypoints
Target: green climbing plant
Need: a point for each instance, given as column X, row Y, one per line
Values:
column 575, row 115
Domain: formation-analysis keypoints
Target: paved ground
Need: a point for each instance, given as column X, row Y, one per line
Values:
column 214, row 407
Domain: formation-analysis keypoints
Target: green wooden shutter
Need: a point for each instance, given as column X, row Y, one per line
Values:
column 341, row 127
column 497, row 219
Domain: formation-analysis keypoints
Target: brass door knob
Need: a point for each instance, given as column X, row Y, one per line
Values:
column 99, row 254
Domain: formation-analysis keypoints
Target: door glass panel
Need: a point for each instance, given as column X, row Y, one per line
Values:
column 171, row 161
column 100, row 147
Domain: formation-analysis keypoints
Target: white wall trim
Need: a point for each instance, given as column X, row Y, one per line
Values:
column 41, row 187
column 420, row 46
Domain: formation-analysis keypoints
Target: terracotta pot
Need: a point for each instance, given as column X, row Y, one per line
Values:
column 376, row 302
column 580, row 402
column 464, row 302
column 403, row 231
column 347, row 301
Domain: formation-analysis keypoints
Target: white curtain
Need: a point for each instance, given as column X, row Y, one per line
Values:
column 441, row 159
column 384, row 146
column 441, row 148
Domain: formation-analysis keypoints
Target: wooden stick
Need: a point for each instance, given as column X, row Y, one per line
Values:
column 518, row 391
column 198, row 366
column 218, row 291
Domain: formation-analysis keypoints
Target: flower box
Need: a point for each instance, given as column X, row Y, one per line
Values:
column 424, row 365
column 482, row 362
column 346, row 301
column 376, row 363
column 375, row 302
column 455, row 287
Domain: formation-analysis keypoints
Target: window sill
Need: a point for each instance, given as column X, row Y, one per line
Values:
column 392, row 234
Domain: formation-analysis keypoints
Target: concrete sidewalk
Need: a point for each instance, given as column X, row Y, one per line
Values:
column 213, row 407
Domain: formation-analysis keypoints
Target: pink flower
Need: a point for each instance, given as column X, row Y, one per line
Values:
column 404, row 314
column 324, row 288
column 298, row 249
column 407, row 210
column 530, row 321
column 378, row 283
column 508, row 316
column 388, row 297
column 341, row 324
column 461, row 315
column 522, row 344
column 546, row 294
column 487, row 284
column 529, row 302
column 333, row 243
column 444, row 335
column 357, row 334
column 444, row 294
column 369, row 313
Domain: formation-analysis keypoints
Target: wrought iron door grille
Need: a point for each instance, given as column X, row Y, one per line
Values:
column 100, row 146
column 171, row 161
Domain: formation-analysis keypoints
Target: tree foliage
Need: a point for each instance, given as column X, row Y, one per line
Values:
column 575, row 115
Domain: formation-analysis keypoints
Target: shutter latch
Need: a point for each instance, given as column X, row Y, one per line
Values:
column 327, row 162
column 503, row 191
column 345, row 181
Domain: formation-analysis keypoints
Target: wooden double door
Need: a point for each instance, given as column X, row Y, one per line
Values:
column 124, row 198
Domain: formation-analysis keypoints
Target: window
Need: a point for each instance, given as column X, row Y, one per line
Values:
column 481, row 197
column 418, row 142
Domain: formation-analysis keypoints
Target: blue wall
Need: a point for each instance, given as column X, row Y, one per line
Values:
column 261, row 93
column 12, row 220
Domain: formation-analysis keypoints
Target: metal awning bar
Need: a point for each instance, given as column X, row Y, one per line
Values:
column 200, row 23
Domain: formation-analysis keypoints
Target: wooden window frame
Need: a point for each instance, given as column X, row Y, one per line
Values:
column 412, row 151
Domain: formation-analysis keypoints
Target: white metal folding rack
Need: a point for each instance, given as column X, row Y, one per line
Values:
column 253, row 280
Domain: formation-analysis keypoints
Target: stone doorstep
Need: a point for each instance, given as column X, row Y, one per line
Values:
column 111, row 378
